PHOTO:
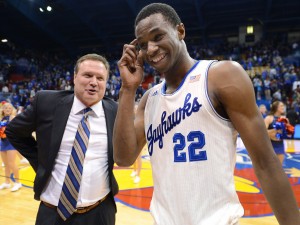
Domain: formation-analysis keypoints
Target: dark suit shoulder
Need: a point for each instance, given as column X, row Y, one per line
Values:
column 110, row 102
column 47, row 100
column 54, row 93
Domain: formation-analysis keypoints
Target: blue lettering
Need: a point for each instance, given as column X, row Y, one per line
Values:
column 167, row 123
column 150, row 140
column 196, row 105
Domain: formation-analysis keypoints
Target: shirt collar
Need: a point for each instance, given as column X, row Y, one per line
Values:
column 78, row 107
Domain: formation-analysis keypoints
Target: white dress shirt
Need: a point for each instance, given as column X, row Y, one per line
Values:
column 94, row 181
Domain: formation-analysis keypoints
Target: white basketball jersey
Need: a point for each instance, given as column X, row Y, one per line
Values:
column 192, row 151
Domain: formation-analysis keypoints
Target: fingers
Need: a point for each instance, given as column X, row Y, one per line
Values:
column 140, row 61
column 132, row 57
column 131, row 46
column 134, row 42
column 130, row 53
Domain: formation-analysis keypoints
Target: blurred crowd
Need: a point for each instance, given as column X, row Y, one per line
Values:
column 274, row 68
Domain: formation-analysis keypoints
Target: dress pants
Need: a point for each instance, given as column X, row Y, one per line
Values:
column 103, row 214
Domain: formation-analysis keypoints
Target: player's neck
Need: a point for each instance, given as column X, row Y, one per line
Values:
column 175, row 76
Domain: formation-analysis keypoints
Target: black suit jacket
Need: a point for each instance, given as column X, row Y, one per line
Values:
column 48, row 116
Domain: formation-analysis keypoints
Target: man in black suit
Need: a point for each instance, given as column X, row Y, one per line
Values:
column 55, row 117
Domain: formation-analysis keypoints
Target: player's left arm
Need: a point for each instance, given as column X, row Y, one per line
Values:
column 233, row 91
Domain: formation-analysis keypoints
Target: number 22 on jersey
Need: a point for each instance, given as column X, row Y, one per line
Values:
column 195, row 141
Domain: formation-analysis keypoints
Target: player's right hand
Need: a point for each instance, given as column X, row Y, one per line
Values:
column 131, row 66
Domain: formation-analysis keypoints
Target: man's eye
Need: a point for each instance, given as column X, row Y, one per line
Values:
column 158, row 37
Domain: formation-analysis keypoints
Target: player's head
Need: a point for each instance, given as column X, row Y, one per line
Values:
column 165, row 10
column 160, row 37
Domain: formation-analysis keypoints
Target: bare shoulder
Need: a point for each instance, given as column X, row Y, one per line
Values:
column 143, row 102
column 139, row 120
column 269, row 118
column 144, row 98
column 224, row 70
column 228, row 81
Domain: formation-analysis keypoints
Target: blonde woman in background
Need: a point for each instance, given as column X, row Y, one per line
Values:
column 8, row 152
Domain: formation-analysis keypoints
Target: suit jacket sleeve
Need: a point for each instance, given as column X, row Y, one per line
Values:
column 19, row 133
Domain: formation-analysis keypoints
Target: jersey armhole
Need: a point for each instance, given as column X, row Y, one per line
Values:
column 206, row 92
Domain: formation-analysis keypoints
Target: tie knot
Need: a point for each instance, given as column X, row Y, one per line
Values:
column 87, row 111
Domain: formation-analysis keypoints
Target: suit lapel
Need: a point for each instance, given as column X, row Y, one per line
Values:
column 60, row 119
column 109, row 126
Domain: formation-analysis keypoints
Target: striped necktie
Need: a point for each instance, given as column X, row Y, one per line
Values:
column 69, row 195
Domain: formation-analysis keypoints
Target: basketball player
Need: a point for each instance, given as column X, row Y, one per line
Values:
column 190, row 122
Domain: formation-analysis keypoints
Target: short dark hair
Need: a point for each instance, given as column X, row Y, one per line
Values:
column 167, row 12
column 92, row 56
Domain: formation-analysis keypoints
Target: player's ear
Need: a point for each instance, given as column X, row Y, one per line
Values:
column 181, row 31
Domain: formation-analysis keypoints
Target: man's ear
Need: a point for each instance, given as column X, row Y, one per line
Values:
column 181, row 31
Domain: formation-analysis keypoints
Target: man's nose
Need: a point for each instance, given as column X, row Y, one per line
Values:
column 151, row 48
column 93, row 81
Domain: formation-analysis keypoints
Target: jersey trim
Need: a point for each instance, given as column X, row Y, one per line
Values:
column 164, row 87
column 206, row 93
